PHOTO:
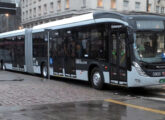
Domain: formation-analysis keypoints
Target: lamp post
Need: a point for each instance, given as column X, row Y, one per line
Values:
column 7, row 21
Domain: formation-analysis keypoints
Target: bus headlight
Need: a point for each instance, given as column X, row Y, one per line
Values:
column 139, row 70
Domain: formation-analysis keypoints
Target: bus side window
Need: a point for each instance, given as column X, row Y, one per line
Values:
column 69, row 46
column 98, row 42
column 39, row 45
column 82, row 43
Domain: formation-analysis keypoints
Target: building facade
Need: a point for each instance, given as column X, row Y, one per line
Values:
column 36, row 12
column 160, row 6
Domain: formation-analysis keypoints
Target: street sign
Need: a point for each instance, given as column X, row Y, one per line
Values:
column 7, row 8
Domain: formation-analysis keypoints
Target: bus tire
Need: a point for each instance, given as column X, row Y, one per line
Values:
column 97, row 79
column 44, row 71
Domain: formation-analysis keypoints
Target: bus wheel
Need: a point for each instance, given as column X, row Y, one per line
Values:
column 44, row 71
column 97, row 79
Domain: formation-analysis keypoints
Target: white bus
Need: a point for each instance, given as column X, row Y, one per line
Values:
column 100, row 47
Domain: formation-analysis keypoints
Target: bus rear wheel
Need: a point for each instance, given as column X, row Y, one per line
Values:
column 44, row 71
column 97, row 79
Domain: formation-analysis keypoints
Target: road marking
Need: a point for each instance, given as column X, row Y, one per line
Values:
column 135, row 106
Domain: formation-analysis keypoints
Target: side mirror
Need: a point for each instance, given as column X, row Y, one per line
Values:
column 130, row 39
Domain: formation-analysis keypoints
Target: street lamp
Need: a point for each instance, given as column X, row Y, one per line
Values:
column 7, row 15
column 20, row 27
column 7, row 21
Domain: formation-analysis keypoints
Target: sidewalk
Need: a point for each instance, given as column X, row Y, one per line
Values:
column 33, row 90
column 9, row 76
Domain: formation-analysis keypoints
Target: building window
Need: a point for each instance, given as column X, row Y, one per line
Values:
column 23, row 14
column 30, row 13
column 83, row 3
column 100, row 3
column 26, row 14
column 26, row 3
column 39, row 10
column 30, row 2
column 45, row 8
column 67, row 4
column 137, row 5
column 51, row 7
column 162, row 10
column 125, row 3
column 59, row 4
column 157, row 9
column 34, row 12
column 113, row 4
column 23, row 2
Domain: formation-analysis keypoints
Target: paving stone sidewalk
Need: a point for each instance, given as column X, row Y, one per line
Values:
column 21, row 89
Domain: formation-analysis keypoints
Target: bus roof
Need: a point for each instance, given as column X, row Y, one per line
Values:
column 122, row 16
column 12, row 33
column 66, row 21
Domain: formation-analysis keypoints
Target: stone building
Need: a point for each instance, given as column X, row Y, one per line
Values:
column 36, row 12
column 160, row 6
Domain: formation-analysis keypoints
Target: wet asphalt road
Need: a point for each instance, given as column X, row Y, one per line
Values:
column 89, row 110
column 76, row 100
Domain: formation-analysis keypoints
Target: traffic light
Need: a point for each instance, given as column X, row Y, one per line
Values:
column 9, row 8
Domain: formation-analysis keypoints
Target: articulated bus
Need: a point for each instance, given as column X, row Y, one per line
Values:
column 125, row 49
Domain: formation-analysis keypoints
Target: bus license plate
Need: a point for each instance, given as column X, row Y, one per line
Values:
column 162, row 81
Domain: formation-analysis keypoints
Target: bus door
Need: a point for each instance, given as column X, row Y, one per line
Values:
column 118, row 71
column 69, row 52
column 57, row 53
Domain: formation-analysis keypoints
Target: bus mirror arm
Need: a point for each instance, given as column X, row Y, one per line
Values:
column 129, row 59
column 129, row 42
column 130, row 39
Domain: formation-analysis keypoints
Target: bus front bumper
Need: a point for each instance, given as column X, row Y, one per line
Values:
column 137, row 80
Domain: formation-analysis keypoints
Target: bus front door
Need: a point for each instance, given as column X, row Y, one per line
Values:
column 118, row 71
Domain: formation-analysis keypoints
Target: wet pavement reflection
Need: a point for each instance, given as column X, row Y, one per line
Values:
column 91, row 110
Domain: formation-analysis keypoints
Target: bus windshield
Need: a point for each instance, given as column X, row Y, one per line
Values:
column 150, row 47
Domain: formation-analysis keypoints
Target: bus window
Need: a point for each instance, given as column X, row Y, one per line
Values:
column 39, row 45
column 114, row 49
column 122, row 49
column 98, row 42
column 82, row 46
column 92, row 42
column 69, row 45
